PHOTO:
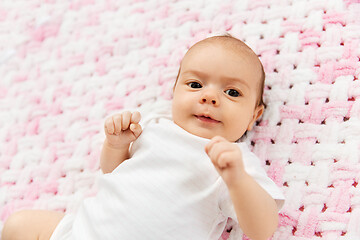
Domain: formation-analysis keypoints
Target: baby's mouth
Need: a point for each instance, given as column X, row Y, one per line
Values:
column 206, row 119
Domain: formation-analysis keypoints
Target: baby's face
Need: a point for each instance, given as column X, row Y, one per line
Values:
column 216, row 92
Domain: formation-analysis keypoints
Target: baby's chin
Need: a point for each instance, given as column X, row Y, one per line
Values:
column 208, row 134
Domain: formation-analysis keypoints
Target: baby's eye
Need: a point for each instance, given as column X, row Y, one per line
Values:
column 194, row 85
column 232, row 93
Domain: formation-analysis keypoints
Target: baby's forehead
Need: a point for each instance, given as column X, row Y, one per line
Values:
column 230, row 44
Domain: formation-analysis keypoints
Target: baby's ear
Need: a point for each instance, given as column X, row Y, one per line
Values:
column 257, row 114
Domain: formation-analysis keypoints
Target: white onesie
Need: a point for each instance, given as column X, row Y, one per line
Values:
column 168, row 189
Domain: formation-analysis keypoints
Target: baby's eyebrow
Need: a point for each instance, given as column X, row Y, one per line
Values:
column 197, row 73
column 234, row 79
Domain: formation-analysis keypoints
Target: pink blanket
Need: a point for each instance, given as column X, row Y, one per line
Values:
column 66, row 65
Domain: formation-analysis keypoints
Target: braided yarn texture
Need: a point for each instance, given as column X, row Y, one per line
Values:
column 67, row 65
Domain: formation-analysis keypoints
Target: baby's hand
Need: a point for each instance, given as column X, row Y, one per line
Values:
column 122, row 129
column 227, row 159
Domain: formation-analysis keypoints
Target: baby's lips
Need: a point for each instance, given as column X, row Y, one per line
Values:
column 207, row 118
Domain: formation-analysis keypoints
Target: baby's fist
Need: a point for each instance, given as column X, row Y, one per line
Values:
column 226, row 157
column 122, row 129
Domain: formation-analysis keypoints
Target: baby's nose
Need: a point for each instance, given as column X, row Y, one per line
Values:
column 210, row 97
column 205, row 100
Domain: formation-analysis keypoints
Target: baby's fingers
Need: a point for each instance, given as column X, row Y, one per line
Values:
column 136, row 129
column 109, row 126
column 223, row 160
column 216, row 152
column 117, row 121
column 215, row 140
column 125, row 120
column 135, row 117
column 121, row 122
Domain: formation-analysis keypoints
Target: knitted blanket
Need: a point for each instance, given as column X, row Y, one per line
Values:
column 66, row 65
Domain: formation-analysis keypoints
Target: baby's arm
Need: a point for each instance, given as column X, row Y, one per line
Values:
column 255, row 209
column 120, row 130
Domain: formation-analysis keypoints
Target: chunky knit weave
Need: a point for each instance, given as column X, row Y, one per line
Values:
column 66, row 65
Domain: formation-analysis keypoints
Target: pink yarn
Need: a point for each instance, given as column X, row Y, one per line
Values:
column 65, row 66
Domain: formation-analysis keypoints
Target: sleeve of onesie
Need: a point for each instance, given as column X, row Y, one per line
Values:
column 254, row 169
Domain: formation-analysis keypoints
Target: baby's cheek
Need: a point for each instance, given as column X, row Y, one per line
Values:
column 234, row 133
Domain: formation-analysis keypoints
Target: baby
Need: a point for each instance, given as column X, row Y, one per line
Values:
column 181, row 176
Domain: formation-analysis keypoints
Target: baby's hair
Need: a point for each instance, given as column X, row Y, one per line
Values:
column 232, row 42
